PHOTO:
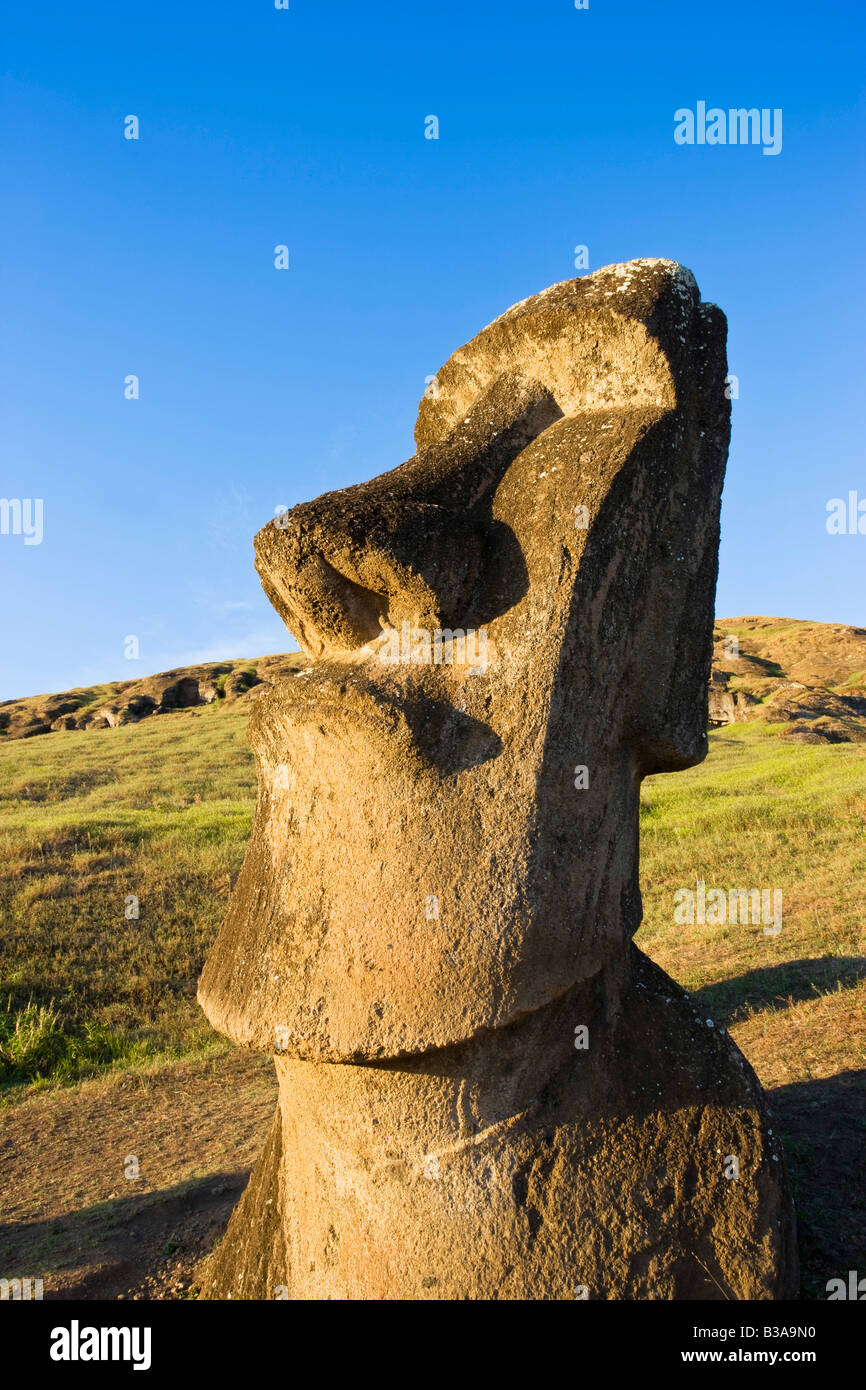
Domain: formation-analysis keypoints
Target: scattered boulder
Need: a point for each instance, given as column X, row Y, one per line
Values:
column 240, row 682
column 808, row 676
column 128, row 702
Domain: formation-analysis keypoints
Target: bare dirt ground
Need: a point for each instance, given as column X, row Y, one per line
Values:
column 69, row 1213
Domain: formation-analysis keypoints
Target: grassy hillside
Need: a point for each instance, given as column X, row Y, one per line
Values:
column 159, row 810
column 129, row 701
column 760, row 812
column 162, row 810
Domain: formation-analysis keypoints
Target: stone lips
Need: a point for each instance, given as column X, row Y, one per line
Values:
column 811, row 678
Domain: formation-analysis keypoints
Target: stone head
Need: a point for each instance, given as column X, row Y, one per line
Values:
column 505, row 635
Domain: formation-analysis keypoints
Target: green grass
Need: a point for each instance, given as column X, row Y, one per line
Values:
column 759, row 812
column 35, row 1047
column 160, row 811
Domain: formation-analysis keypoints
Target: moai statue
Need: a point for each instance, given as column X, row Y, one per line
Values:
column 486, row 1091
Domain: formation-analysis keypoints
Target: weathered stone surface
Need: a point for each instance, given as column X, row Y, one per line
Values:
column 436, row 894
column 525, row 1168
column 382, row 786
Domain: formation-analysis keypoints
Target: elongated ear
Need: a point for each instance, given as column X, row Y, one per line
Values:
column 637, row 647
column 672, row 654
column 628, row 353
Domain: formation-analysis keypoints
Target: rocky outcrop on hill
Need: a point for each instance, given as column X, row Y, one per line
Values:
column 128, row 702
column 810, row 677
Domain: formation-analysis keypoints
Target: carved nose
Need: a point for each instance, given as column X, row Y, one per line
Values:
column 415, row 543
column 339, row 569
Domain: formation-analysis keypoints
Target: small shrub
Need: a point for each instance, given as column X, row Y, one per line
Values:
column 35, row 1046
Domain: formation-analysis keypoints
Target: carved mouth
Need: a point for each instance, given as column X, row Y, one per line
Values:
column 321, row 693
column 444, row 737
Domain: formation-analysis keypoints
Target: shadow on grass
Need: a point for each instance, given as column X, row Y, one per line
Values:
column 111, row 1247
column 776, row 986
column 823, row 1128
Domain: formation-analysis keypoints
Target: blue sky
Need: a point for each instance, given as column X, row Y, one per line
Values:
column 261, row 388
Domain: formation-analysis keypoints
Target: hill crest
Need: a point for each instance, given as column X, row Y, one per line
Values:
column 808, row 677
